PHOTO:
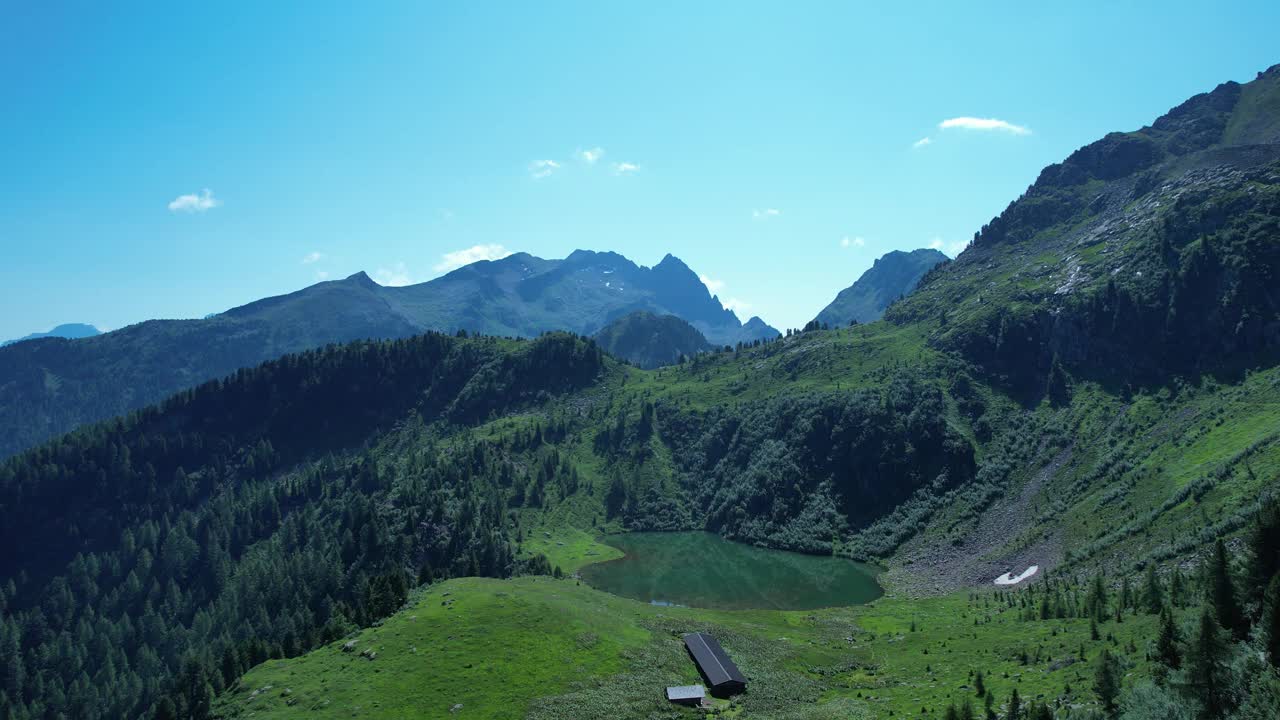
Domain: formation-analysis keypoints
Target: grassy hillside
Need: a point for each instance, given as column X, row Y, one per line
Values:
column 545, row 648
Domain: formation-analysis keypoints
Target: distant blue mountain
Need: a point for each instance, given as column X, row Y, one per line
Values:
column 71, row 331
column 50, row 387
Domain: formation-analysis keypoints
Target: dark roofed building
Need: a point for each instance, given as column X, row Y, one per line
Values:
column 722, row 676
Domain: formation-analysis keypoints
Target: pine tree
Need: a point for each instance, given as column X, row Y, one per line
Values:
column 1177, row 589
column 1264, row 551
column 979, row 685
column 1222, row 592
column 1106, row 682
column 1206, row 665
column 1269, row 625
column 966, row 710
column 165, row 710
column 1152, row 592
column 1096, row 600
column 1015, row 706
column 951, row 713
column 1167, row 651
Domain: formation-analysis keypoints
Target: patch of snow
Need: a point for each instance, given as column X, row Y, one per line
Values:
column 1010, row 579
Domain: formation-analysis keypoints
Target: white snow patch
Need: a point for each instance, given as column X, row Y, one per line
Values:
column 1011, row 579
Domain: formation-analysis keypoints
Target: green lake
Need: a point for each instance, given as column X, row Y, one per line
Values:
column 704, row 570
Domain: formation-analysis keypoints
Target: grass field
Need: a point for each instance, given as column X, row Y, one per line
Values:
column 543, row 648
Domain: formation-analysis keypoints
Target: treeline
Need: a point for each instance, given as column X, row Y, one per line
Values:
column 157, row 557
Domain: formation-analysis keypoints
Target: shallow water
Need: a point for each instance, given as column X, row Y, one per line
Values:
column 701, row 569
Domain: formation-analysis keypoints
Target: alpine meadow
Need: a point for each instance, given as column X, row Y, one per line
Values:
column 1035, row 477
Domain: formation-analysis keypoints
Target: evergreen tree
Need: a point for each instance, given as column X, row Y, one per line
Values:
column 1106, row 682
column 1222, row 593
column 1264, row 551
column 1015, row 706
column 1152, row 591
column 1177, row 589
column 1269, row 625
column 1167, row 651
column 1096, row 600
column 1206, row 665
column 165, row 710
column 966, row 710
column 979, row 685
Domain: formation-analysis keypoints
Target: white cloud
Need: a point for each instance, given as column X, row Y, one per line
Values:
column 624, row 168
column 922, row 142
column 312, row 257
column 394, row 276
column 765, row 214
column 957, row 247
column 194, row 203
column 322, row 275
column 590, row 156
column 542, row 168
column 985, row 124
column 846, row 241
column 714, row 286
column 458, row 258
column 936, row 244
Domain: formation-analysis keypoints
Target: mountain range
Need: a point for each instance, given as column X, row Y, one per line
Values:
column 52, row 386
column 1090, row 394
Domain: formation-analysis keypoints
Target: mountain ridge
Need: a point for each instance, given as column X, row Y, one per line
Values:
column 68, row 331
column 890, row 277
column 59, row 385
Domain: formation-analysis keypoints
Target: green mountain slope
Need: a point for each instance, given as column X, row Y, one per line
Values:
column 649, row 341
column 1141, row 256
column 52, row 387
column 893, row 275
column 1037, row 401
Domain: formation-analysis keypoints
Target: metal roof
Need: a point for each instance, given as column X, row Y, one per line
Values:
column 686, row 692
column 712, row 660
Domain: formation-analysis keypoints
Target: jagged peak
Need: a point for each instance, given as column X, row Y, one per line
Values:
column 671, row 262
column 361, row 278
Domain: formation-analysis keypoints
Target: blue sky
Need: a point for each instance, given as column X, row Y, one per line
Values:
column 772, row 146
